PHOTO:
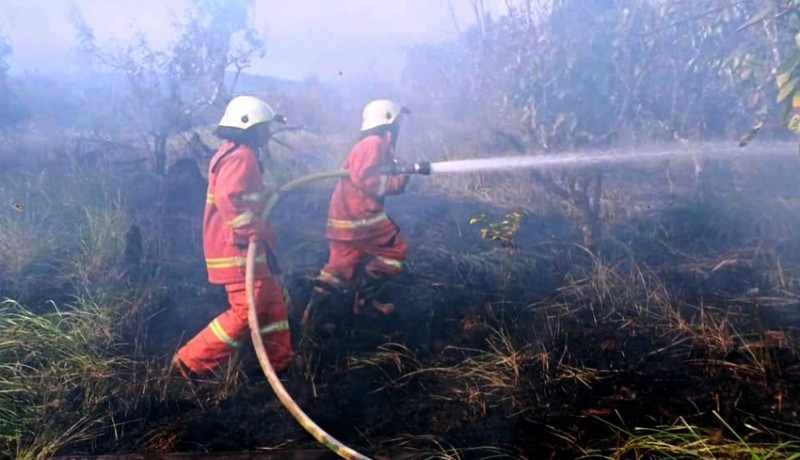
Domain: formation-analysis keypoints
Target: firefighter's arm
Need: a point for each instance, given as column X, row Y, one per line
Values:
column 239, row 196
column 396, row 183
column 365, row 170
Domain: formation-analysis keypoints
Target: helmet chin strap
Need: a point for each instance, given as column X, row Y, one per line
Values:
column 393, row 132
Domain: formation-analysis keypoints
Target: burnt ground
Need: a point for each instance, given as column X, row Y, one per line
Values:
column 684, row 308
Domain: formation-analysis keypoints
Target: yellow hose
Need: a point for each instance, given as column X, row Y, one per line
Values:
column 297, row 183
column 319, row 434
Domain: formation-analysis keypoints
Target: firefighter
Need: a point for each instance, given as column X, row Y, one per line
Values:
column 366, row 249
column 236, row 196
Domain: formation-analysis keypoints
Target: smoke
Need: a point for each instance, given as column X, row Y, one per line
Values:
column 567, row 160
column 352, row 39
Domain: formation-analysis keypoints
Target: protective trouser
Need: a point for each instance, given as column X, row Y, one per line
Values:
column 386, row 256
column 346, row 257
column 227, row 331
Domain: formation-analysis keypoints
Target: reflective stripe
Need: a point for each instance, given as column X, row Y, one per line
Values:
column 341, row 223
column 382, row 184
column 252, row 197
column 390, row 262
column 228, row 262
column 275, row 327
column 331, row 279
column 222, row 335
column 242, row 219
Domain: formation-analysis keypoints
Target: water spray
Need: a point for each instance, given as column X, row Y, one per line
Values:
column 562, row 160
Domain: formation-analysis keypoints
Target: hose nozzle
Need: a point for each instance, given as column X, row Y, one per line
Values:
column 422, row 168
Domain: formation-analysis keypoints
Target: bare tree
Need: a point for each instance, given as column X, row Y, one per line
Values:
column 170, row 88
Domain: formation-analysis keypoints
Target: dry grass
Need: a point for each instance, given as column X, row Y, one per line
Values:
column 228, row 379
column 69, row 229
column 163, row 438
column 477, row 378
column 70, row 370
column 28, row 237
column 428, row 447
column 395, row 361
column 632, row 299
column 61, row 375
column 505, row 369
column 683, row 440
column 101, row 246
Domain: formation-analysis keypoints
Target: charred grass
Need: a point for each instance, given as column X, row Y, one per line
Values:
column 674, row 336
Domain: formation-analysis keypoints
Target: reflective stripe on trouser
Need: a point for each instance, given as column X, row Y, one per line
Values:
column 332, row 280
column 389, row 253
column 231, row 262
column 358, row 223
column 227, row 331
column 385, row 265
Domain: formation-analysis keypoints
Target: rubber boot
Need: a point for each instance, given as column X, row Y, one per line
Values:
column 369, row 293
column 319, row 305
column 178, row 368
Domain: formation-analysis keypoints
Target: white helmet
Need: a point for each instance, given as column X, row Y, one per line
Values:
column 245, row 111
column 381, row 112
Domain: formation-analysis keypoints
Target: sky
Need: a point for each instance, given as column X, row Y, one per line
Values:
column 304, row 37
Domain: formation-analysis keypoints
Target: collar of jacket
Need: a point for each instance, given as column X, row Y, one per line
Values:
column 234, row 147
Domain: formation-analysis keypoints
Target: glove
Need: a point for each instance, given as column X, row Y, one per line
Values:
column 393, row 167
column 404, row 183
column 258, row 231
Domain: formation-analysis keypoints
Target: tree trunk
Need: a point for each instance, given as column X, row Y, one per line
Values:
column 160, row 154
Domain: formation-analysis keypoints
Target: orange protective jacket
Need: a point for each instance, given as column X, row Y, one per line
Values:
column 235, row 200
column 356, row 211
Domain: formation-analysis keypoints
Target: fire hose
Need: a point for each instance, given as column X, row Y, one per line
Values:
column 305, row 421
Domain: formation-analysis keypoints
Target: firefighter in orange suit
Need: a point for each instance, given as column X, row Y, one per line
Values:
column 235, row 199
column 361, row 234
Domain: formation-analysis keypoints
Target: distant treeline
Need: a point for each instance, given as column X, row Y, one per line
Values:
column 569, row 72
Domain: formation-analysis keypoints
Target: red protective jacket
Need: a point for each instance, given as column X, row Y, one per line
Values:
column 356, row 210
column 234, row 203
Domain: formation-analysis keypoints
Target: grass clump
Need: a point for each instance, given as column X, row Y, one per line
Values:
column 60, row 378
column 683, row 440
column 428, row 447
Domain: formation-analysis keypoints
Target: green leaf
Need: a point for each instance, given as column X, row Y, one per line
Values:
column 794, row 124
column 787, row 90
column 788, row 66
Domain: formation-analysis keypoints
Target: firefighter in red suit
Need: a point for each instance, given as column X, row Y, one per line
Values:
column 235, row 200
column 366, row 249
